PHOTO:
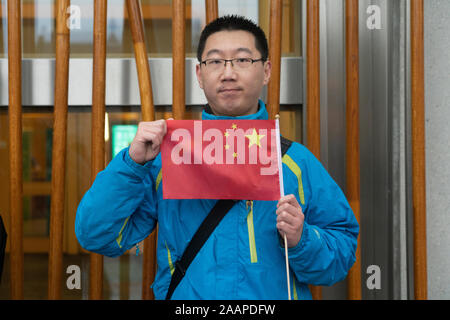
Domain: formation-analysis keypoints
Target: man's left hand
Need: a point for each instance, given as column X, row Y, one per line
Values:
column 290, row 219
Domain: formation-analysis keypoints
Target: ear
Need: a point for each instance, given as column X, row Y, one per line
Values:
column 267, row 71
column 198, row 71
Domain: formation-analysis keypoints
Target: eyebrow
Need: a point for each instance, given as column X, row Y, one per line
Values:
column 212, row 51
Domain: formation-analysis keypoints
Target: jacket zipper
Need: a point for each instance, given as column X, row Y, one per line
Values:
column 251, row 232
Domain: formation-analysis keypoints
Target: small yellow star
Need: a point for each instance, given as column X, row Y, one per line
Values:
column 227, row 147
column 234, row 126
column 254, row 138
column 235, row 155
column 226, row 134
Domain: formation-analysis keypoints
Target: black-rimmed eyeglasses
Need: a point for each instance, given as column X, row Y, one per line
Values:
column 237, row 63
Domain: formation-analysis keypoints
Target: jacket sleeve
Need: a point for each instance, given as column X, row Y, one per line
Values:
column 119, row 210
column 326, row 250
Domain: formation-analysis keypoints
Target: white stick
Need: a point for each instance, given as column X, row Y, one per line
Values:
column 280, row 174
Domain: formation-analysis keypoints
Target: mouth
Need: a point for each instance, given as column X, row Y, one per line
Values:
column 229, row 90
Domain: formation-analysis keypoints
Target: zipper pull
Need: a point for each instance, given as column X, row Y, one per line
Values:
column 248, row 204
column 137, row 249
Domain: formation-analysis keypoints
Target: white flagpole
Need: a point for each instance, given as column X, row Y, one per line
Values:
column 280, row 175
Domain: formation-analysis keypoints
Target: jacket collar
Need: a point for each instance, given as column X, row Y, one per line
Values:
column 261, row 114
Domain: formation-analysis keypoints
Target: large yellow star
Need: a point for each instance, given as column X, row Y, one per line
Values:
column 254, row 138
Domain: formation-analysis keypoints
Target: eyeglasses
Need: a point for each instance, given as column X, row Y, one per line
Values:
column 237, row 63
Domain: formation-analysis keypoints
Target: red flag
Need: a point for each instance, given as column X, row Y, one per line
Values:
column 221, row 159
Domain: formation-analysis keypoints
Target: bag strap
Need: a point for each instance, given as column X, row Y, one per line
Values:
column 202, row 234
column 285, row 144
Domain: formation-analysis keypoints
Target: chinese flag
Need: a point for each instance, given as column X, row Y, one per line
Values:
column 221, row 159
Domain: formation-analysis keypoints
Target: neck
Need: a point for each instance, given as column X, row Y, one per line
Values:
column 253, row 110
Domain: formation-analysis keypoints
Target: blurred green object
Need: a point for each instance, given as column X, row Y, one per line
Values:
column 122, row 135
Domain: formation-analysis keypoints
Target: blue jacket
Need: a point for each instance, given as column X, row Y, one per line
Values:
column 244, row 257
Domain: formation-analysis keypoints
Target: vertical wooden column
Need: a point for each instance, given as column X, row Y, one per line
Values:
column 313, row 90
column 352, row 141
column 273, row 89
column 313, row 76
column 178, row 54
column 98, row 129
column 15, row 147
column 148, row 114
column 59, row 151
column 141, row 57
column 418, row 150
column 212, row 10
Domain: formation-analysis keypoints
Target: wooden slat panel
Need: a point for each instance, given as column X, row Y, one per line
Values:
column 313, row 77
column 98, row 129
column 212, row 10
column 179, row 54
column 142, row 66
column 273, row 90
column 313, row 90
column 149, row 11
column 287, row 39
column 59, row 152
column 418, row 150
column 149, row 265
column 15, row 147
column 148, row 114
column 352, row 147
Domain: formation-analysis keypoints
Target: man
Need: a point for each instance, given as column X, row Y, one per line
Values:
column 243, row 258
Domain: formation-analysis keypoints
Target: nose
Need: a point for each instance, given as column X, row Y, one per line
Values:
column 228, row 71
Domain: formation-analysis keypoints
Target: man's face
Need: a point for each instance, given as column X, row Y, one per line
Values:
column 232, row 91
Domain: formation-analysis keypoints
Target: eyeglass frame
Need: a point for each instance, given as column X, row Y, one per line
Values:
column 231, row 61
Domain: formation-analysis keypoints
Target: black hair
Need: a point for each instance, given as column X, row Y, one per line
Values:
column 234, row 23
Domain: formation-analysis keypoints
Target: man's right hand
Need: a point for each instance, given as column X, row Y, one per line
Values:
column 147, row 142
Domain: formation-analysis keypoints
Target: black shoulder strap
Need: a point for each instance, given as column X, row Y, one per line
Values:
column 202, row 234
column 285, row 144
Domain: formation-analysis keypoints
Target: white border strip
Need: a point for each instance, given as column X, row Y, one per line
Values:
column 280, row 164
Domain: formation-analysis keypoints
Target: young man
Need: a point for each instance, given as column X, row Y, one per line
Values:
column 243, row 258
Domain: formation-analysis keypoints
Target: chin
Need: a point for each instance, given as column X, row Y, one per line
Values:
column 232, row 110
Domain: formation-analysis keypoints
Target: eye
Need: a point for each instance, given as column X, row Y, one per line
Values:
column 243, row 60
column 214, row 61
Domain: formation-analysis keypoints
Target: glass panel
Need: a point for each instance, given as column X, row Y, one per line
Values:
column 3, row 30
column 38, row 26
column 37, row 155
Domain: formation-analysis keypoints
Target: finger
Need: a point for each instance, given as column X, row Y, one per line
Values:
column 164, row 127
column 291, row 199
column 158, row 130
column 285, row 228
column 287, row 218
column 152, row 138
column 289, row 209
column 156, row 126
